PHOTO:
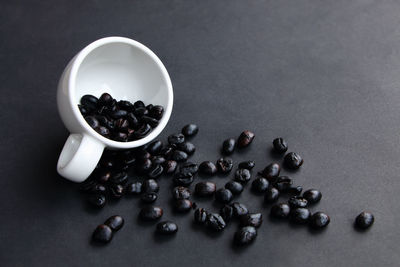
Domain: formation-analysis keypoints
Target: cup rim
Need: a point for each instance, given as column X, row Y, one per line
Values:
column 72, row 83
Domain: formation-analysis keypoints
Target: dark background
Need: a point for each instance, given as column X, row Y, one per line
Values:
column 322, row 74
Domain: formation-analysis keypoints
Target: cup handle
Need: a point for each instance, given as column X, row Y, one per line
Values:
column 79, row 157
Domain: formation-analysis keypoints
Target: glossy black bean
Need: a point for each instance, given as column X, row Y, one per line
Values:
column 115, row 222
column 319, row 220
column 116, row 191
column 226, row 213
column 107, row 163
column 84, row 111
column 150, row 185
column 175, row 139
column 149, row 120
column 271, row 171
column 102, row 233
column 140, row 112
column 119, row 113
column 142, row 131
column 87, row 185
column 190, row 130
column 182, row 205
column 119, row 178
column 149, row 197
column 312, row 195
column 239, row 209
column 300, row 215
column 92, row 121
column 144, row 166
column 181, row 192
column 251, row 219
column 129, row 160
column 297, row 202
column 189, row 167
column 134, row 188
column 247, row 164
column 183, row 179
column 151, row 213
column 126, row 105
column 293, row 160
column 142, row 154
column 271, row 195
column 364, row 220
column 156, row 112
column 245, row 235
column 103, row 176
column 242, row 176
column 155, row 171
column 157, row 160
column 133, row 121
column 280, row 145
column 280, row 210
column 228, row 146
column 103, row 131
column 105, row 99
column 121, row 125
column 235, row 187
column 295, row 190
column 104, row 121
column 97, row 200
column 98, row 189
column 208, row 168
column 259, row 185
column 223, row 195
column 89, row 102
column 170, row 166
column 200, row 215
column 187, row 147
column 245, row 139
column 224, row 165
column 154, row 147
column 283, row 183
column 215, row 222
column 167, row 228
column 205, row 189
column 120, row 136
column 179, row 156
column 139, row 104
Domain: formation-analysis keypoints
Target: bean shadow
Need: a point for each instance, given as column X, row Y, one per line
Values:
column 275, row 155
column 163, row 238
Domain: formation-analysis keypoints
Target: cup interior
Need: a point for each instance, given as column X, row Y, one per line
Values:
column 128, row 71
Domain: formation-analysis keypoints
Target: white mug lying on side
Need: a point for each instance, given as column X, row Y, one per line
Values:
column 123, row 68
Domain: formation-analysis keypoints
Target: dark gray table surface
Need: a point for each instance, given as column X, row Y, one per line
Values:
column 322, row 74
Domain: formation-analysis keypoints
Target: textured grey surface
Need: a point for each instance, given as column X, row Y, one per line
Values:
column 323, row 74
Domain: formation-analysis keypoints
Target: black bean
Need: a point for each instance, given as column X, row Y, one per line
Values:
column 260, row 185
column 297, row 202
column 183, row 179
column 293, row 160
column 129, row 159
column 92, row 121
column 208, row 168
column 144, row 166
column 142, row 131
column 247, row 164
column 190, row 130
column 84, row 111
column 121, row 124
column 312, row 195
column 102, row 131
column 170, row 166
column 235, row 187
column 149, row 197
column 151, row 213
column 105, row 99
column 280, row 145
column 228, row 146
column 280, row 210
column 150, row 185
column 166, row 228
column 189, row 167
column 251, row 219
column 115, row 222
column 155, row 171
column 300, row 215
column 242, row 176
column 133, row 188
column 271, row 195
column 283, row 183
column 179, row 156
column 138, row 104
column 121, row 137
column 319, row 220
column 223, row 195
column 271, row 171
column 107, row 163
column 295, row 190
column 226, row 212
column 215, row 222
column 126, row 105
column 245, row 139
column 157, row 160
column 133, row 121
column 187, row 147
column 175, row 139
column 224, row 165
column 116, row 191
column 119, row 178
column 142, row 154
column 156, row 112
column 149, row 120
column 200, row 216
column 89, row 102
column 102, row 233
column 154, row 147
column 364, row 220
column 103, row 176
column 119, row 113
column 97, row 200
column 140, row 112
column 167, row 151
column 245, row 235
column 239, row 209
column 183, row 205
column 181, row 192
column 204, row 189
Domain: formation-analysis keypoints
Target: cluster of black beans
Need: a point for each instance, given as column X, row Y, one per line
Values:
column 119, row 120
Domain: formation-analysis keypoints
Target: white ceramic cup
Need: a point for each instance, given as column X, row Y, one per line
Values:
column 123, row 68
